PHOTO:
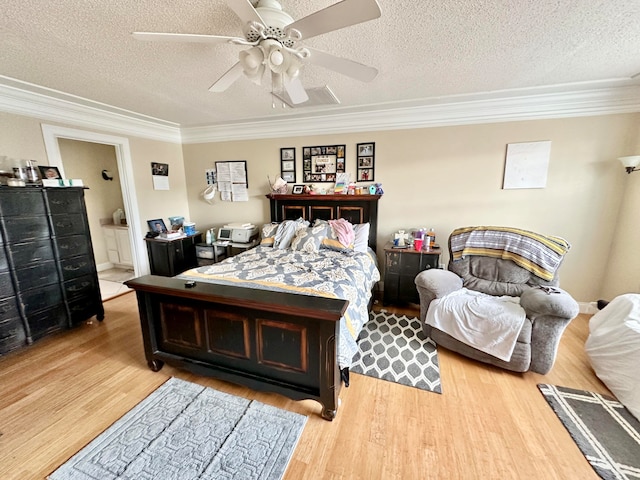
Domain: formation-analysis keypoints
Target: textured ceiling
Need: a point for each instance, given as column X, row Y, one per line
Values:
column 425, row 51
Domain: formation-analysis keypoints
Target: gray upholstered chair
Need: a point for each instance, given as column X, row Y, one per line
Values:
column 548, row 310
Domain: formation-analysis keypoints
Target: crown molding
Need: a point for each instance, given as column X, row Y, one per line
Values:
column 445, row 111
column 493, row 107
column 78, row 112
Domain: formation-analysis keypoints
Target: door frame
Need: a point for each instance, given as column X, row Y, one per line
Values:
column 51, row 134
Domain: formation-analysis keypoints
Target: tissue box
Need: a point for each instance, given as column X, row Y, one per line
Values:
column 62, row 182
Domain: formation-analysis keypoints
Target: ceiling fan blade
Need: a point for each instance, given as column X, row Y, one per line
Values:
column 296, row 91
column 245, row 11
column 352, row 69
column 182, row 37
column 227, row 79
column 340, row 15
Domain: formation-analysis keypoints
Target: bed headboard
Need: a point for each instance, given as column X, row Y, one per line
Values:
column 354, row 208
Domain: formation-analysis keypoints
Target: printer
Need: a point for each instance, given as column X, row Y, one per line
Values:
column 238, row 233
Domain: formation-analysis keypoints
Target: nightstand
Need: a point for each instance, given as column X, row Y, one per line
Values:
column 401, row 268
column 171, row 257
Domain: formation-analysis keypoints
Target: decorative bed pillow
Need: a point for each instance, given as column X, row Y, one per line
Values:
column 361, row 242
column 268, row 234
column 287, row 231
column 331, row 241
column 309, row 239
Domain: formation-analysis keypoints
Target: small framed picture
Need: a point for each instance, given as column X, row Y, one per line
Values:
column 298, row 189
column 366, row 162
column 288, row 164
column 157, row 225
column 47, row 172
column 289, row 177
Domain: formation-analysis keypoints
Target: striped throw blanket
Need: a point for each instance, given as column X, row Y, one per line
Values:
column 539, row 254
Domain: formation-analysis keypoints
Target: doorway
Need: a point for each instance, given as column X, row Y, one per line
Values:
column 52, row 134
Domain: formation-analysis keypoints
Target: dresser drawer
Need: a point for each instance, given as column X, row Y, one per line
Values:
column 72, row 224
column 26, row 253
column 41, row 298
column 3, row 260
column 47, row 321
column 8, row 309
column 81, row 287
column 6, row 285
column 20, row 229
column 23, row 202
column 35, row 276
column 76, row 266
column 72, row 246
column 65, row 201
column 12, row 334
column 82, row 309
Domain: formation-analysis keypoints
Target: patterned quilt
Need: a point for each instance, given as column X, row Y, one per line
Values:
column 347, row 275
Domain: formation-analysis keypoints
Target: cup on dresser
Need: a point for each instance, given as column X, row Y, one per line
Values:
column 417, row 244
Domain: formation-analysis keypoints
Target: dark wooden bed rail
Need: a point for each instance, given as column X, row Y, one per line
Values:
column 270, row 341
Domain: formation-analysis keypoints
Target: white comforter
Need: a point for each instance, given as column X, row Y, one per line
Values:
column 613, row 347
column 487, row 323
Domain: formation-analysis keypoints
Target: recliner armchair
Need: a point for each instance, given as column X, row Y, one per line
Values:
column 501, row 261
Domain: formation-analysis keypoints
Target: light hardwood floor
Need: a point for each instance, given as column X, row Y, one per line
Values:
column 60, row 393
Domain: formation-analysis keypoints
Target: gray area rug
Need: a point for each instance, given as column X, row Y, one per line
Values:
column 394, row 348
column 607, row 434
column 185, row 431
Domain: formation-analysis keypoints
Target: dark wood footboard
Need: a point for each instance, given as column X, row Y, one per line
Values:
column 269, row 341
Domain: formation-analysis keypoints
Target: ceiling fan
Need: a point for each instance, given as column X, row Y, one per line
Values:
column 274, row 40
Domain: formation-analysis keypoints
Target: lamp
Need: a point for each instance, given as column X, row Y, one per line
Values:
column 630, row 163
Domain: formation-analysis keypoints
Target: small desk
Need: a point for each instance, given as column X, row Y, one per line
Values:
column 401, row 268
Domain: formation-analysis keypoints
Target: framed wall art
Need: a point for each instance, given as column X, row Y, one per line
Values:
column 321, row 164
column 288, row 164
column 365, row 162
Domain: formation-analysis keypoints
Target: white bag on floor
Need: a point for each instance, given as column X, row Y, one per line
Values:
column 613, row 347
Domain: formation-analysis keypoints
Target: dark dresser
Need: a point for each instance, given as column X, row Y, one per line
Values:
column 48, row 264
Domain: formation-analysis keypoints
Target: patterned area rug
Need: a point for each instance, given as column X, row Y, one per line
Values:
column 184, row 431
column 607, row 434
column 394, row 348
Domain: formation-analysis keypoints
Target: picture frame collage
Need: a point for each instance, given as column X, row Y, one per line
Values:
column 326, row 163
column 321, row 164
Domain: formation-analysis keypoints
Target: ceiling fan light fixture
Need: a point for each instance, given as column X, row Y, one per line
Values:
column 251, row 59
column 276, row 58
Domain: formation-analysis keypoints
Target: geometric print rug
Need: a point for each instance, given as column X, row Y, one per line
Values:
column 394, row 348
column 607, row 434
column 185, row 431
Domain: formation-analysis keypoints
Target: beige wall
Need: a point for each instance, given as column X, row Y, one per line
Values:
column 86, row 160
column 452, row 176
column 624, row 261
column 433, row 177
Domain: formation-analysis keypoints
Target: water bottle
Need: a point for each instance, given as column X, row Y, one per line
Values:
column 208, row 237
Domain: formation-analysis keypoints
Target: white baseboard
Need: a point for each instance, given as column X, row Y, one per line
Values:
column 104, row 266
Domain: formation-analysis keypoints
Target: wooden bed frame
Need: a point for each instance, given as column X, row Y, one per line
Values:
column 268, row 341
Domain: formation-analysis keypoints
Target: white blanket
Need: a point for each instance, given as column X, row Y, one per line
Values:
column 487, row 323
column 613, row 347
